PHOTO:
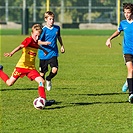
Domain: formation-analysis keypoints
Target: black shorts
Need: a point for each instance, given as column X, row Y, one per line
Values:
column 43, row 66
column 128, row 58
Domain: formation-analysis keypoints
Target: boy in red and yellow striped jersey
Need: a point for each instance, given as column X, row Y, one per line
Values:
column 26, row 64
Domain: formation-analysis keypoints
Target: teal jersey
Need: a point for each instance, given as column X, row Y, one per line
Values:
column 127, row 28
column 49, row 35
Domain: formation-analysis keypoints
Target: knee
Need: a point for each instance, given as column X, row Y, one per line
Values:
column 41, row 74
column 54, row 70
column 130, row 71
column 43, row 81
column 9, row 83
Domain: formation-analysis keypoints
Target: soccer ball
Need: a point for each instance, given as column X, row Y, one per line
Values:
column 39, row 103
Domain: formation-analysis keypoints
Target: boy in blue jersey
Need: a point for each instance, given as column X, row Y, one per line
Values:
column 48, row 41
column 127, row 27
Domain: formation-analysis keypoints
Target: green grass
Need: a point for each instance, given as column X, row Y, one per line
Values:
column 10, row 31
column 87, row 91
column 63, row 32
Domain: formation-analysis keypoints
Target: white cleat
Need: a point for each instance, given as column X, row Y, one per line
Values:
column 48, row 85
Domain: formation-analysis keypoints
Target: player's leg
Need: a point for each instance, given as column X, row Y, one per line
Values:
column 125, row 86
column 129, row 60
column 3, row 75
column 54, row 69
column 43, row 68
column 41, row 89
column 52, row 73
column 9, row 81
column 130, row 81
column 34, row 75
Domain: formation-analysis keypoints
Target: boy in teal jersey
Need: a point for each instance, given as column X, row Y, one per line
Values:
column 127, row 27
column 48, row 41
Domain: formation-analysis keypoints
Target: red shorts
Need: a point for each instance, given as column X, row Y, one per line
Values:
column 21, row 72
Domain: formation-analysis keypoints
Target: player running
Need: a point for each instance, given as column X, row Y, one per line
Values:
column 48, row 41
column 127, row 27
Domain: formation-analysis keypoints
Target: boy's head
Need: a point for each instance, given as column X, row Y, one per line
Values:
column 128, row 11
column 47, row 14
column 128, row 6
column 49, row 18
column 36, row 31
column 36, row 27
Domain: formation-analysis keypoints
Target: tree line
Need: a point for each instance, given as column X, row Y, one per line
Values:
column 73, row 11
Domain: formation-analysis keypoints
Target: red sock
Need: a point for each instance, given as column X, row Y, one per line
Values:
column 3, row 76
column 41, row 91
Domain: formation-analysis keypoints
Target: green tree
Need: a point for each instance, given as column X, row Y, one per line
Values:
column 74, row 11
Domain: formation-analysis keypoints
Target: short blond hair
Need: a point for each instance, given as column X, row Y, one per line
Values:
column 36, row 27
column 48, row 13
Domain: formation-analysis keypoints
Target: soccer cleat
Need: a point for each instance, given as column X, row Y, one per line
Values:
column 48, row 85
column 131, row 98
column 49, row 102
column 125, row 87
column 1, row 67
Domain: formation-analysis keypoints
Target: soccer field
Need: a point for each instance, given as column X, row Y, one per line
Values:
column 87, row 90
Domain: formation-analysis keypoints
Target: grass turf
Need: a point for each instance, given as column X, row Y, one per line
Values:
column 63, row 32
column 87, row 91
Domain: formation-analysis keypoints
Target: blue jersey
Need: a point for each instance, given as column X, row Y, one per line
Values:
column 49, row 35
column 127, row 28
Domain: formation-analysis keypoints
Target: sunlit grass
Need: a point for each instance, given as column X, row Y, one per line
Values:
column 87, row 91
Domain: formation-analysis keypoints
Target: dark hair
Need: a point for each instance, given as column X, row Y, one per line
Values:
column 128, row 6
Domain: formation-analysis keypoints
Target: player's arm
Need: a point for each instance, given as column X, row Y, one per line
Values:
column 14, row 51
column 43, row 42
column 43, row 49
column 42, row 38
column 115, row 34
column 61, row 43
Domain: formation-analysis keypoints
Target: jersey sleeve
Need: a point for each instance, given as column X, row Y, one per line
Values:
column 120, row 27
column 27, row 41
column 42, row 36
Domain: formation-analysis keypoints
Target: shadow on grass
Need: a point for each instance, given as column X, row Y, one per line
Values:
column 82, row 104
column 57, row 105
column 104, row 94
column 85, row 103
column 18, row 89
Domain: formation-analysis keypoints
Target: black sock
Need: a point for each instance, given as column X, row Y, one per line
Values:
column 50, row 76
column 130, row 85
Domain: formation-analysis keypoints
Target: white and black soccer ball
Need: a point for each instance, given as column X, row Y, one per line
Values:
column 39, row 103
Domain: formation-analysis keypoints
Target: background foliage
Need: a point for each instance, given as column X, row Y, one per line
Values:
column 74, row 10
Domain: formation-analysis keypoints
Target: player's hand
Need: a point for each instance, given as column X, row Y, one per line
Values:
column 47, row 43
column 108, row 43
column 62, row 49
column 45, row 52
column 7, row 54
